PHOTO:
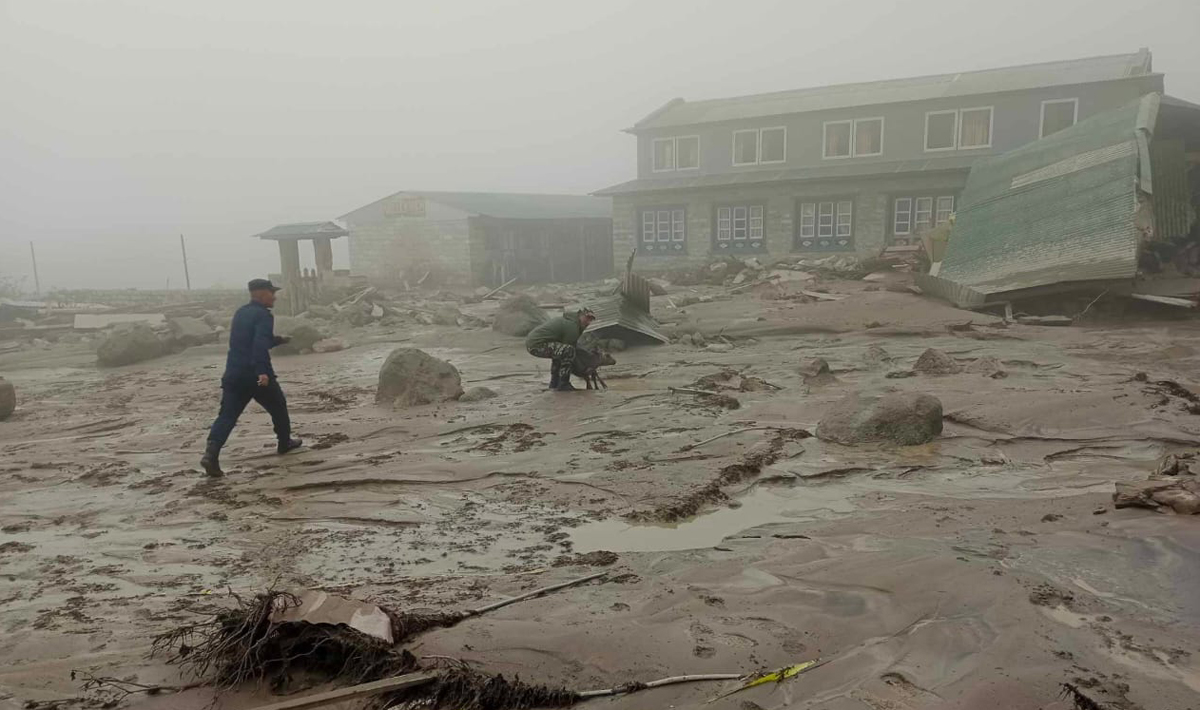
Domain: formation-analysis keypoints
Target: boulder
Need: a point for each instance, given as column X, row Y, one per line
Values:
column 477, row 394
column 816, row 372
column 8, row 399
column 303, row 335
column 936, row 362
column 1176, row 494
column 988, row 366
column 329, row 345
column 876, row 356
column 518, row 315
column 189, row 332
column 411, row 377
column 658, row 287
column 898, row 417
column 128, row 343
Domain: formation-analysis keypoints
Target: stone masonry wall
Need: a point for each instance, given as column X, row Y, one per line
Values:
column 870, row 223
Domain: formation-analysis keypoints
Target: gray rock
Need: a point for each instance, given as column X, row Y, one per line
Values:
column 304, row 335
column 316, row 310
column 698, row 340
column 8, row 399
column 899, row 417
column 813, row 367
column 329, row 345
column 988, row 366
column 411, row 377
column 875, row 356
column 477, row 394
column 189, row 332
column 128, row 343
column 518, row 315
column 936, row 362
column 719, row 348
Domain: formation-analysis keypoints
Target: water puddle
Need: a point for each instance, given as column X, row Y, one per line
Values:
column 763, row 505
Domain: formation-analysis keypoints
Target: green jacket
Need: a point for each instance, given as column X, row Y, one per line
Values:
column 556, row 330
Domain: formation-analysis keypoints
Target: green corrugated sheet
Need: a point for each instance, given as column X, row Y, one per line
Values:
column 1173, row 213
column 1058, row 210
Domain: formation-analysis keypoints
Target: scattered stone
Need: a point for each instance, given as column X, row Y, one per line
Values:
column 658, row 287
column 323, row 312
column 518, row 315
column 899, row 417
column 329, row 345
column 936, row 362
column 599, row 558
column 1177, row 465
column 190, row 332
column 816, row 372
column 699, row 340
column 719, row 348
column 1176, row 494
column 686, row 339
column 1051, row 518
column 8, row 399
column 128, row 343
column 411, row 377
column 477, row 394
column 988, row 367
column 876, row 356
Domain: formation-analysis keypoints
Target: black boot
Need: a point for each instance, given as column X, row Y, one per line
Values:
column 211, row 461
column 554, row 378
column 564, row 385
column 289, row 445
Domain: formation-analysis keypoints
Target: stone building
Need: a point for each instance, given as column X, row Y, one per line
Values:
column 849, row 169
column 477, row 238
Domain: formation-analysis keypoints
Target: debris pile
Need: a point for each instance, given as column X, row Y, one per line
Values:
column 1173, row 487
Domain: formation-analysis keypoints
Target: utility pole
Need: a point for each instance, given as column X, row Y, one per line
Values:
column 37, row 284
column 186, row 275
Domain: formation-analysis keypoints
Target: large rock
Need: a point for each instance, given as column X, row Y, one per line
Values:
column 936, row 362
column 303, row 335
column 329, row 345
column 189, row 332
column 898, row 417
column 8, row 399
column 128, row 343
column 1181, row 495
column 411, row 377
column 519, row 315
column 477, row 394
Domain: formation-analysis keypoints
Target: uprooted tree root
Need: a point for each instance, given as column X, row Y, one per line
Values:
column 241, row 644
column 463, row 688
column 711, row 493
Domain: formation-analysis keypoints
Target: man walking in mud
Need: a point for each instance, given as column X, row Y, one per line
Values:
column 555, row 339
column 249, row 376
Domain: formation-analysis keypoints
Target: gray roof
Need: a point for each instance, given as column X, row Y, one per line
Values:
column 303, row 230
column 516, row 205
column 824, row 172
column 988, row 81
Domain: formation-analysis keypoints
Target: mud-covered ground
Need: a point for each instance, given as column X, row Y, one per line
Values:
column 980, row 571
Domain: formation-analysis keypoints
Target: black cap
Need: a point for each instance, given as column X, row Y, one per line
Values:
column 262, row 285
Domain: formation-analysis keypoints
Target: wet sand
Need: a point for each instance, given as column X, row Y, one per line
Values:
column 981, row 570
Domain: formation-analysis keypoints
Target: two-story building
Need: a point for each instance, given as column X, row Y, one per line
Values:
column 850, row 169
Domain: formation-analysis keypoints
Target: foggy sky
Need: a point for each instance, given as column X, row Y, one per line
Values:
column 124, row 123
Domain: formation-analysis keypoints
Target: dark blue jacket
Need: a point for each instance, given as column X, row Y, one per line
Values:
column 251, row 337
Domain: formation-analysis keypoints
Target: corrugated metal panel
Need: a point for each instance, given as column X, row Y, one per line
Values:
column 514, row 205
column 823, row 98
column 1074, row 225
column 303, row 230
column 1173, row 213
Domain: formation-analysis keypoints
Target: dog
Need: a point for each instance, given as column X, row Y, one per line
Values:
column 587, row 366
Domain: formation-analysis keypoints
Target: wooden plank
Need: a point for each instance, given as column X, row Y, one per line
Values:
column 411, row 680
column 1181, row 302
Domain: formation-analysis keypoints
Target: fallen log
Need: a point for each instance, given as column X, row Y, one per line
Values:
column 412, row 680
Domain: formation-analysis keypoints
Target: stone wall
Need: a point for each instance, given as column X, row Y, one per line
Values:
column 388, row 246
column 870, row 223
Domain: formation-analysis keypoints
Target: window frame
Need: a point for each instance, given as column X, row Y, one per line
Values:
column 935, row 197
column 991, row 128
column 757, row 146
column 825, row 140
column 674, row 141
column 953, row 141
column 761, row 160
column 854, row 137
column 836, row 202
column 745, row 244
column 1042, row 114
column 656, row 211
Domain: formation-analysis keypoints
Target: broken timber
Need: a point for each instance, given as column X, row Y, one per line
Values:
column 354, row 692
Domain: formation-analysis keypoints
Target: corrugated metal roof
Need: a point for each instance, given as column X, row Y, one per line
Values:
column 824, row 172
column 515, row 205
column 988, row 81
column 1058, row 210
column 303, row 230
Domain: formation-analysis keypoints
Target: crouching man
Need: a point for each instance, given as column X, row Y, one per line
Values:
column 555, row 339
column 249, row 376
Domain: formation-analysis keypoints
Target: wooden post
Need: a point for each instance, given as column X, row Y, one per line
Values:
column 323, row 250
column 37, row 283
column 186, row 276
column 289, row 261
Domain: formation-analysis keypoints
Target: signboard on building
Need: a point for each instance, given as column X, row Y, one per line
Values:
column 405, row 207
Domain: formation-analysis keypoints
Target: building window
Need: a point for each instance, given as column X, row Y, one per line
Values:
column 975, row 128
column 825, row 225
column 868, row 137
column 687, row 152
column 745, row 147
column 914, row 215
column 940, row 130
column 774, row 145
column 1057, row 115
column 839, row 135
column 663, row 231
column 679, row 153
column 739, row 228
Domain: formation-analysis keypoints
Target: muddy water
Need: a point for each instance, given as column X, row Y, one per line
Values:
column 919, row 573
